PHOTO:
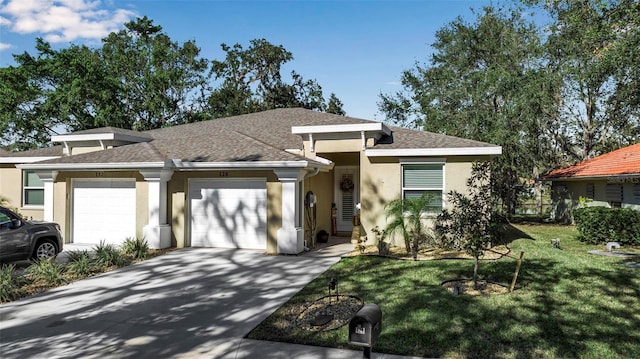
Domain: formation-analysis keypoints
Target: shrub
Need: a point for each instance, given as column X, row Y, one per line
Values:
column 108, row 255
column 47, row 272
column 599, row 225
column 9, row 289
column 136, row 248
column 80, row 264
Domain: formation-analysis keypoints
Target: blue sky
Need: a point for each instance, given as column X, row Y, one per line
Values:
column 356, row 49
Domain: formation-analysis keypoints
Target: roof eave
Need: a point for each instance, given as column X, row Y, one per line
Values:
column 18, row 160
column 448, row 151
column 203, row 166
column 593, row 177
column 92, row 166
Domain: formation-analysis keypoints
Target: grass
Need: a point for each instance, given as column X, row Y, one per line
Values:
column 567, row 303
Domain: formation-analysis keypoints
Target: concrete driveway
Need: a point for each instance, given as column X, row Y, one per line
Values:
column 190, row 303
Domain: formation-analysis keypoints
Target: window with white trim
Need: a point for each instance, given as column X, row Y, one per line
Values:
column 32, row 189
column 418, row 179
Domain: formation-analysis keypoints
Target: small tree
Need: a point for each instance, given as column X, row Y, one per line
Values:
column 470, row 224
column 405, row 214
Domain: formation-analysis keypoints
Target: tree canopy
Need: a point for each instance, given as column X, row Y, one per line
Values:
column 549, row 95
column 251, row 80
column 140, row 79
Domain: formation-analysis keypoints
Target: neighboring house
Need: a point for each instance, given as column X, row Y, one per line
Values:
column 611, row 180
column 232, row 182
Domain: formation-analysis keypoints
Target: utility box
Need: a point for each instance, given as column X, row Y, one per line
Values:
column 365, row 326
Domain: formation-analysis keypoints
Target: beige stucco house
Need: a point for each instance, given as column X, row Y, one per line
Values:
column 237, row 182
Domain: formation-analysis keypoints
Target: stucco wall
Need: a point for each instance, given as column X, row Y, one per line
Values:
column 565, row 200
column 322, row 186
column 381, row 183
column 11, row 189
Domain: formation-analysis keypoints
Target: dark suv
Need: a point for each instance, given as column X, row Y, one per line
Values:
column 21, row 239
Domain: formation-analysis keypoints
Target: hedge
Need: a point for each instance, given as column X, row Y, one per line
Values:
column 599, row 225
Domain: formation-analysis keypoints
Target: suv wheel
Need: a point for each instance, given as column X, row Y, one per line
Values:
column 45, row 249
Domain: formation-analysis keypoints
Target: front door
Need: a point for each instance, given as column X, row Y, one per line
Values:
column 347, row 195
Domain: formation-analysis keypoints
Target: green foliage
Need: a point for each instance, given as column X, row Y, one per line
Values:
column 107, row 255
column 252, row 81
column 471, row 222
column 598, row 225
column 550, row 95
column 47, row 272
column 404, row 215
column 334, row 105
column 594, row 47
column 139, row 79
column 137, row 248
column 484, row 83
column 9, row 288
column 80, row 264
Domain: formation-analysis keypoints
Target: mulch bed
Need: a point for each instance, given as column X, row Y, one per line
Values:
column 493, row 253
column 465, row 286
column 328, row 312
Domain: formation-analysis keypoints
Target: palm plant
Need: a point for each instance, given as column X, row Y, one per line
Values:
column 406, row 218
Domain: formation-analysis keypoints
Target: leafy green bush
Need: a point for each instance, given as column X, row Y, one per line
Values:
column 9, row 288
column 80, row 264
column 108, row 255
column 47, row 271
column 136, row 248
column 599, row 225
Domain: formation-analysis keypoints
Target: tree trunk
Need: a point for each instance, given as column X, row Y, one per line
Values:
column 475, row 273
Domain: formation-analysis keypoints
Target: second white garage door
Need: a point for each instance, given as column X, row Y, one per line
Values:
column 103, row 210
column 228, row 213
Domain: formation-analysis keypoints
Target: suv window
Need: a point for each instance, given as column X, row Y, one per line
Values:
column 5, row 221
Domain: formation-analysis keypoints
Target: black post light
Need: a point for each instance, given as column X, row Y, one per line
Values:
column 333, row 286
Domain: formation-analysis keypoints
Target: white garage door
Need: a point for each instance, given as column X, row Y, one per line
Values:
column 103, row 209
column 228, row 213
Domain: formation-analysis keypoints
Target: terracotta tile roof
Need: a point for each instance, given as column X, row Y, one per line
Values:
column 624, row 161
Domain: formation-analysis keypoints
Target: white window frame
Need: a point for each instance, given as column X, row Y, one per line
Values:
column 424, row 162
column 25, row 188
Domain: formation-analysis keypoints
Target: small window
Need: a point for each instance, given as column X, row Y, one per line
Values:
column 591, row 191
column 33, row 189
column 418, row 179
column 636, row 191
column 614, row 193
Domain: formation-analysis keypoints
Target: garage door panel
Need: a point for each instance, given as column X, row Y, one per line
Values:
column 228, row 214
column 103, row 210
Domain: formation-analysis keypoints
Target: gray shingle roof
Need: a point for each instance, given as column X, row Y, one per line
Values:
column 38, row 152
column 114, row 130
column 407, row 138
column 262, row 136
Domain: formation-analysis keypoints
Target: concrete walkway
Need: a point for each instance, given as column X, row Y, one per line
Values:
column 190, row 303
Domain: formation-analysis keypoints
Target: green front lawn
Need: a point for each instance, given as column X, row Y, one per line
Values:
column 567, row 303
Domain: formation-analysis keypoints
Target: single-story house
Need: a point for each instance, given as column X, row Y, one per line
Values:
column 239, row 182
column 611, row 180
